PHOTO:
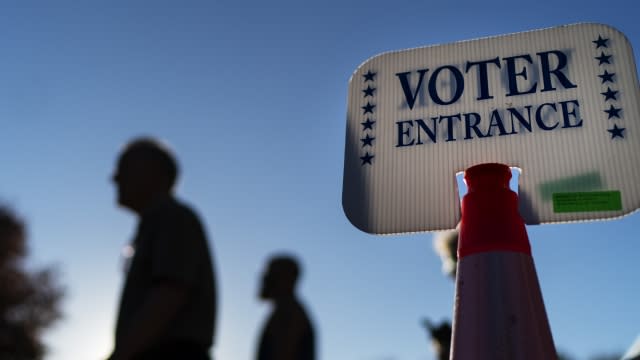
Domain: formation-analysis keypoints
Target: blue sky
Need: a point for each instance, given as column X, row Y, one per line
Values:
column 252, row 97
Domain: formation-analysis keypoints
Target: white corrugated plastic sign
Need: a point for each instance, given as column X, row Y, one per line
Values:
column 561, row 104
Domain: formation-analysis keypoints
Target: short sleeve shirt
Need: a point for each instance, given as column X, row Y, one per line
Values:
column 171, row 246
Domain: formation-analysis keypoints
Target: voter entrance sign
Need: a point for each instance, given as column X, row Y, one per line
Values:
column 562, row 104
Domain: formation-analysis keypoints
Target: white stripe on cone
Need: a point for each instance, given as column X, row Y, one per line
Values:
column 499, row 311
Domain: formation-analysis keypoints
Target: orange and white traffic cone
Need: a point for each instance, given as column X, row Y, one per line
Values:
column 499, row 312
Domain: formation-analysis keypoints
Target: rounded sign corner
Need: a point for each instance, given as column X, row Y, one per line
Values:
column 364, row 64
column 355, row 221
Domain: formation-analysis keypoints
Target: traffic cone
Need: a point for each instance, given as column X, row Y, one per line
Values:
column 498, row 313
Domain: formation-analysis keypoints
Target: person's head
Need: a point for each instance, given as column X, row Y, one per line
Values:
column 440, row 338
column 280, row 277
column 146, row 169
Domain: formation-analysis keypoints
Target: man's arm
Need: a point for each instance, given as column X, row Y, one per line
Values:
column 160, row 307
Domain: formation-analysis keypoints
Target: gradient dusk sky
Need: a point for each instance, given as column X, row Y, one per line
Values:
column 251, row 95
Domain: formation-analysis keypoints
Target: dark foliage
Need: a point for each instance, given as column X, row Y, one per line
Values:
column 29, row 300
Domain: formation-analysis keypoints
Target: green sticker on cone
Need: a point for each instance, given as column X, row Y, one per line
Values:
column 587, row 201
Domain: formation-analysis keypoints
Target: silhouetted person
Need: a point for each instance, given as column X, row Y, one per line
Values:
column 288, row 333
column 168, row 304
column 440, row 338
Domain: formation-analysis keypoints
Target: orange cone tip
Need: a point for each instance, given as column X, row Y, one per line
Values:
column 490, row 218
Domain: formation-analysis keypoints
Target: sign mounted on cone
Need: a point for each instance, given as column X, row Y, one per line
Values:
column 562, row 104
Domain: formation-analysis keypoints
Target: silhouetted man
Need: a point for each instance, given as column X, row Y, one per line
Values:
column 288, row 333
column 168, row 304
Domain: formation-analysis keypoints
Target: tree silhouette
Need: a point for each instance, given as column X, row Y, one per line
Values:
column 446, row 246
column 29, row 300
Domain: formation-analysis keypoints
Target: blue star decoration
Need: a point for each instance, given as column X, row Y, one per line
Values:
column 600, row 42
column 368, row 91
column 367, row 141
column 615, row 132
column 609, row 94
column 603, row 59
column 366, row 159
column 369, row 76
column 607, row 76
column 613, row 112
column 368, row 109
column 368, row 124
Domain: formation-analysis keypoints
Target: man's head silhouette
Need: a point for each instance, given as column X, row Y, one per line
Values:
column 279, row 280
column 288, row 332
column 146, row 170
